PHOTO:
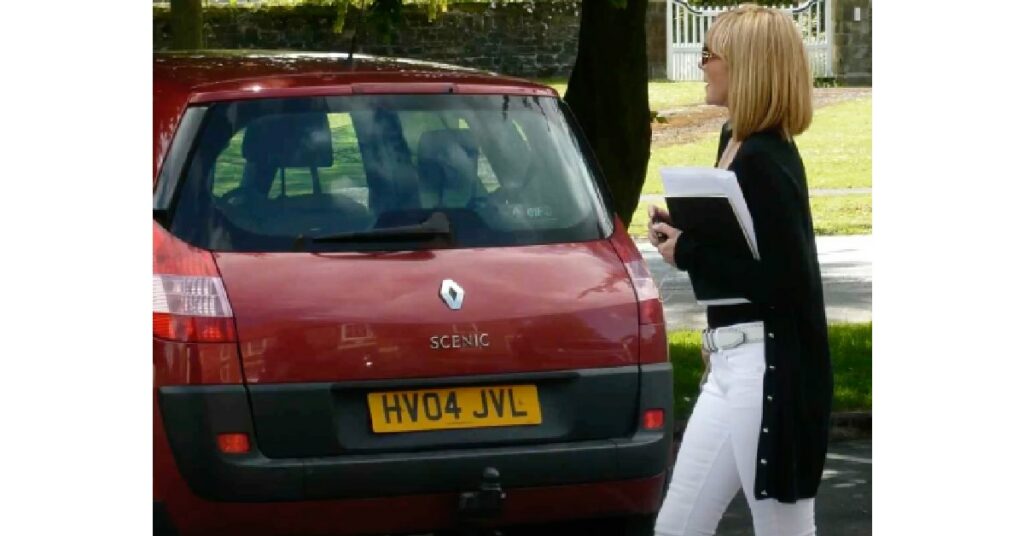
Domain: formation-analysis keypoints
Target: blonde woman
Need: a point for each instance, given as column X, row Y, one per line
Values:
column 760, row 423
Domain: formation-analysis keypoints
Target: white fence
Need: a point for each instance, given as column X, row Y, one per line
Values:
column 686, row 26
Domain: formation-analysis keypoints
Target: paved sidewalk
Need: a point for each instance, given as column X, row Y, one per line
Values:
column 843, row 504
column 845, row 272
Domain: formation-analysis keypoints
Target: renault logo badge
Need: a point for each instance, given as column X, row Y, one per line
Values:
column 452, row 294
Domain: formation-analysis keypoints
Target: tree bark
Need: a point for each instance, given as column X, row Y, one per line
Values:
column 607, row 93
column 186, row 24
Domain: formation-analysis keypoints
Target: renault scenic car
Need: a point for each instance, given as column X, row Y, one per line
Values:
column 391, row 297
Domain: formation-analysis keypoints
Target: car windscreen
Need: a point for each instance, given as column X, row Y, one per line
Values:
column 387, row 172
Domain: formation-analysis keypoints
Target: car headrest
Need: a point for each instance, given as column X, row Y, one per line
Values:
column 300, row 140
column 448, row 160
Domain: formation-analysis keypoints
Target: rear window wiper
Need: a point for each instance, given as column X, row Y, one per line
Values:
column 437, row 225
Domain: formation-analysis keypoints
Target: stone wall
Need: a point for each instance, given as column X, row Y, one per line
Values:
column 534, row 40
column 520, row 39
column 852, row 59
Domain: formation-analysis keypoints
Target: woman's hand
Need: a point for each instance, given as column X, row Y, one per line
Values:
column 656, row 214
column 666, row 247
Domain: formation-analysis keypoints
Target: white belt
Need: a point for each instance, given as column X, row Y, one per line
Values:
column 728, row 337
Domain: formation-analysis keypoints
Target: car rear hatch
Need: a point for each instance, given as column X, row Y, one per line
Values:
column 412, row 272
column 319, row 333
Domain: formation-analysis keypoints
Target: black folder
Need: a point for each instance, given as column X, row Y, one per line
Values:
column 707, row 205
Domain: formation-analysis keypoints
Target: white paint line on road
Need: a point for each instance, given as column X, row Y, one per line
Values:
column 845, row 458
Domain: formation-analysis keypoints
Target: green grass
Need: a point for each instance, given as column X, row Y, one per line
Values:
column 687, row 368
column 841, row 215
column 837, row 154
column 638, row 225
column 836, row 150
column 700, row 153
column 850, row 345
column 851, row 365
column 661, row 94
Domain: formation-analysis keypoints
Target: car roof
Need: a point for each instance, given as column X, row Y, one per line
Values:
column 235, row 69
column 183, row 78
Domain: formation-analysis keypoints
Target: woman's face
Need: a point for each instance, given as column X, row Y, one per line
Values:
column 716, row 75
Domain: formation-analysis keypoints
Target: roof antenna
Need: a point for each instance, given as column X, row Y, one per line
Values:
column 355, row 34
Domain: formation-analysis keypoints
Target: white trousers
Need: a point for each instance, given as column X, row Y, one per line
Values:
column 718, row 455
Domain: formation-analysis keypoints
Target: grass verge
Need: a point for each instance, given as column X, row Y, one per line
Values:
column 638, row 225
column 661, row 94
column 836, row 150
column 837, row 155
column 838, row 215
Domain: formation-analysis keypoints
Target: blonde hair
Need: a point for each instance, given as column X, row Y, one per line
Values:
column 769, row 75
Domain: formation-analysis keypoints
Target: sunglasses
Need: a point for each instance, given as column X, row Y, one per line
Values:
column 706, row 56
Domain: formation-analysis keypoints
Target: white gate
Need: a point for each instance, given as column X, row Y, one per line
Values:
column 686, row 26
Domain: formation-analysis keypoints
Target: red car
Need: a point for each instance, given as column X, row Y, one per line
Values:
column 392, row 297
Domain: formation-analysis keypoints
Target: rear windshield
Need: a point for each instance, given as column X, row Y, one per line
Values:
column 385, row 172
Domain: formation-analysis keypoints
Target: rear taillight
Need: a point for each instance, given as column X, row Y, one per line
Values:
column 653, row 347
column 189, row 301
column 654, row 419
column 647, row 296
column 233, row 443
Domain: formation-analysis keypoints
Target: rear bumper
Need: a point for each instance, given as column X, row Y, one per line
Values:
column 194, row 415
column 162, row 524
column 409, row 514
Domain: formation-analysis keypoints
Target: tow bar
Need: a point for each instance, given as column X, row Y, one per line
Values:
column 484, row 504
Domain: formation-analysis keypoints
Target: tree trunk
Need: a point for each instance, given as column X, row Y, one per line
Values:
column 608, row 94
column 186, row 24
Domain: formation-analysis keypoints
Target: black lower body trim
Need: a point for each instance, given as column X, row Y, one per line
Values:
column 193, row 416
column 162, row 524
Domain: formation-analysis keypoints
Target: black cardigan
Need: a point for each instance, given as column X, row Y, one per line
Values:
column 785, row 287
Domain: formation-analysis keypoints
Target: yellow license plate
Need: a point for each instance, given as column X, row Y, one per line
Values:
column 453, row 408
